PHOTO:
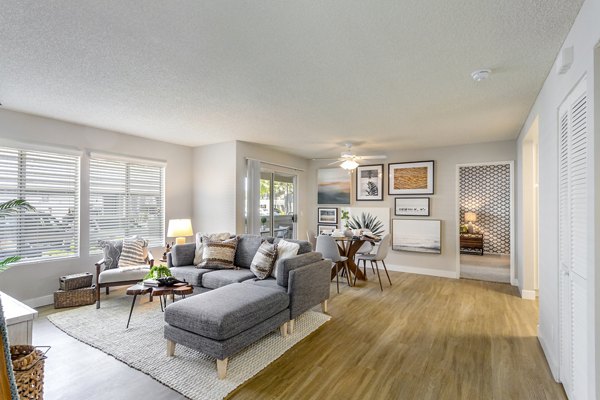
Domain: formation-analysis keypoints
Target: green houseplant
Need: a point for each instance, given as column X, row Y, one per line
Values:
column 158, row 271
column 8, row 386
column 367, row 221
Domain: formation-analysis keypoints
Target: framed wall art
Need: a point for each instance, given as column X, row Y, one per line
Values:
column 369, row 182
column 328, row 215
column 326, row 229
column 411, row 206
column 333, row 186
column 411, row 178
column 417, row 235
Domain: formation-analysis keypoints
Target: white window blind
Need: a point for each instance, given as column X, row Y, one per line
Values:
column 126, row 198
column 49, row 182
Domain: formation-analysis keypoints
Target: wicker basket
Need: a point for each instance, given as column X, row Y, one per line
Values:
column 75, row 281
column 73, row 298
column 28, row 367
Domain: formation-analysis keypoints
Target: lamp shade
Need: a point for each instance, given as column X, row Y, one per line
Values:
column 179, row 228
column 470, row 217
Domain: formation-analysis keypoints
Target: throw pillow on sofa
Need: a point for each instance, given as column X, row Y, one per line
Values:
column 264, row 259
column 285, row 249
column 111, row 250
column 213, row 236
column 217, row 254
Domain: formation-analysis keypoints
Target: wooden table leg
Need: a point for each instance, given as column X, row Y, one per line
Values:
column 131, row 311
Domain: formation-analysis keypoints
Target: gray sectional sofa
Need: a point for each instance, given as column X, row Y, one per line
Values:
column 234, row 308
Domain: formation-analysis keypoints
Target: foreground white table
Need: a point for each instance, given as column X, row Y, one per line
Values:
column 19, row 320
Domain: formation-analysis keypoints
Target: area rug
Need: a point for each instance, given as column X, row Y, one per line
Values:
column 142, row 346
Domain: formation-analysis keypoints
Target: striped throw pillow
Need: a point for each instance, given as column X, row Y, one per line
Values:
column 264, row 259
column 218, row 254
column 133, row 252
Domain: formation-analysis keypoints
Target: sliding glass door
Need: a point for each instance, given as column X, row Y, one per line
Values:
column 277, row 204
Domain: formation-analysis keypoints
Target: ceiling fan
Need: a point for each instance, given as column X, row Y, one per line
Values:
column 350, row 161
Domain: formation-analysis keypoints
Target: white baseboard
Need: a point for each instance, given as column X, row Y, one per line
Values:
column 514, row 282
column 40, row 301
column 423, row 271
column 550, row 358
column 528, row 294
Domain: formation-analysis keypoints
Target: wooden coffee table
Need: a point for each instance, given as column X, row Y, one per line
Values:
column 179, row 289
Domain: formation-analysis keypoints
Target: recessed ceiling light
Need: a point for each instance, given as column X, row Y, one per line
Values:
column 481, row 74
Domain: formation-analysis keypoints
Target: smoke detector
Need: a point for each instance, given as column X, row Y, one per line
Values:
column 481, row 74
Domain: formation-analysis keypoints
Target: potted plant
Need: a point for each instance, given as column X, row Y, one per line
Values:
column 158, row 271
column 8, row 386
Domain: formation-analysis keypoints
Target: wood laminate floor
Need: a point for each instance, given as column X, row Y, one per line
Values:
column 424, row 338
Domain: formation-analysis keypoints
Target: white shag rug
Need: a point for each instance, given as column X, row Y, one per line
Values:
column 143, row 347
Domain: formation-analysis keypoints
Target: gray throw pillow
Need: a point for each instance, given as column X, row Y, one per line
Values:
column 264, row 259
column 112, row 252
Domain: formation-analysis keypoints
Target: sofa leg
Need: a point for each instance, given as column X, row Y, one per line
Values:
column 291, row 326
column 283, row 329
column 107, row 290
column 170, row 348
column 324, row 306
column 222, row 368
column 97, row 297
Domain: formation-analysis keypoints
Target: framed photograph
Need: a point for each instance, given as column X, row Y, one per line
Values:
column 328, row 215
column 417, row 235
column 369, row 182
column 411, row 178
column 325, row 229
column 412, row 206
column 333, row 186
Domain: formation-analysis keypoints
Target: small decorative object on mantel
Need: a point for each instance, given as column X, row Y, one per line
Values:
column 411, row 178
column 168, row 247
column 369, row 182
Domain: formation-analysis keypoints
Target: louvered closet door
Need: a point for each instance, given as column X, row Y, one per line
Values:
column 573, row 233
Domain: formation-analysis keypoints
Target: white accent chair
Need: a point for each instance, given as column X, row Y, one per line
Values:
column 382, row 251
column 328, row 248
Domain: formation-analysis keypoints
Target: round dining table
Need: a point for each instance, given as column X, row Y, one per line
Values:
column 348, row 246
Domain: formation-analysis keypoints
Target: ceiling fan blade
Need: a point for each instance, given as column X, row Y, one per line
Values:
column 335, row 162
column 372, row 157
column 324, row 159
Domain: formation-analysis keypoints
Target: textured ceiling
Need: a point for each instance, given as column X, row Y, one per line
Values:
column 304, row 76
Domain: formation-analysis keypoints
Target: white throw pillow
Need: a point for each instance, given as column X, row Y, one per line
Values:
column 285, row 249
column 212, row 237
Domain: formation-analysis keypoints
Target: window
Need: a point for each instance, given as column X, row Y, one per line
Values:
column 126, row 198
column 50, row 183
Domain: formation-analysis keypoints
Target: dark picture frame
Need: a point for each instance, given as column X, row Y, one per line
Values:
column 410, row 178
column 321, row 228
column 412, row 206
column 369, row 182
column 327, row 215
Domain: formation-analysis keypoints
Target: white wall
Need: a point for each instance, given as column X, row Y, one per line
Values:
column 36, row 280
column 214, row 183
column 584, row 36
column 443, row 202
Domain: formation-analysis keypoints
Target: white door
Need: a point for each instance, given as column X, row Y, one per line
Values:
column 574, row 229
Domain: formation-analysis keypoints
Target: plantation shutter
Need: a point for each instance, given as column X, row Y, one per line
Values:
column 50, row 182
column 126, row 198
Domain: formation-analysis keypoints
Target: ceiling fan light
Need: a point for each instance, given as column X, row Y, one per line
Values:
column 349, row 165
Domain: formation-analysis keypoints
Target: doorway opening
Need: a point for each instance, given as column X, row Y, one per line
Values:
column 485, row 217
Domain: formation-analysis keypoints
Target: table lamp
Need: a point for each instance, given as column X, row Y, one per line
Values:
column 179, row 228
column 470, row 217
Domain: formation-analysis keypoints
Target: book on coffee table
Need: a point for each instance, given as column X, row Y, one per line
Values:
column 151, row 282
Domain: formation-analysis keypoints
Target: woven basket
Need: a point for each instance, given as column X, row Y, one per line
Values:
column 73, row 298
column 75, row 281
column 28, row 367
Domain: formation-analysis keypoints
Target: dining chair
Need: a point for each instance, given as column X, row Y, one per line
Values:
column 382, row 251
column 328, row 248
column 312, row 239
